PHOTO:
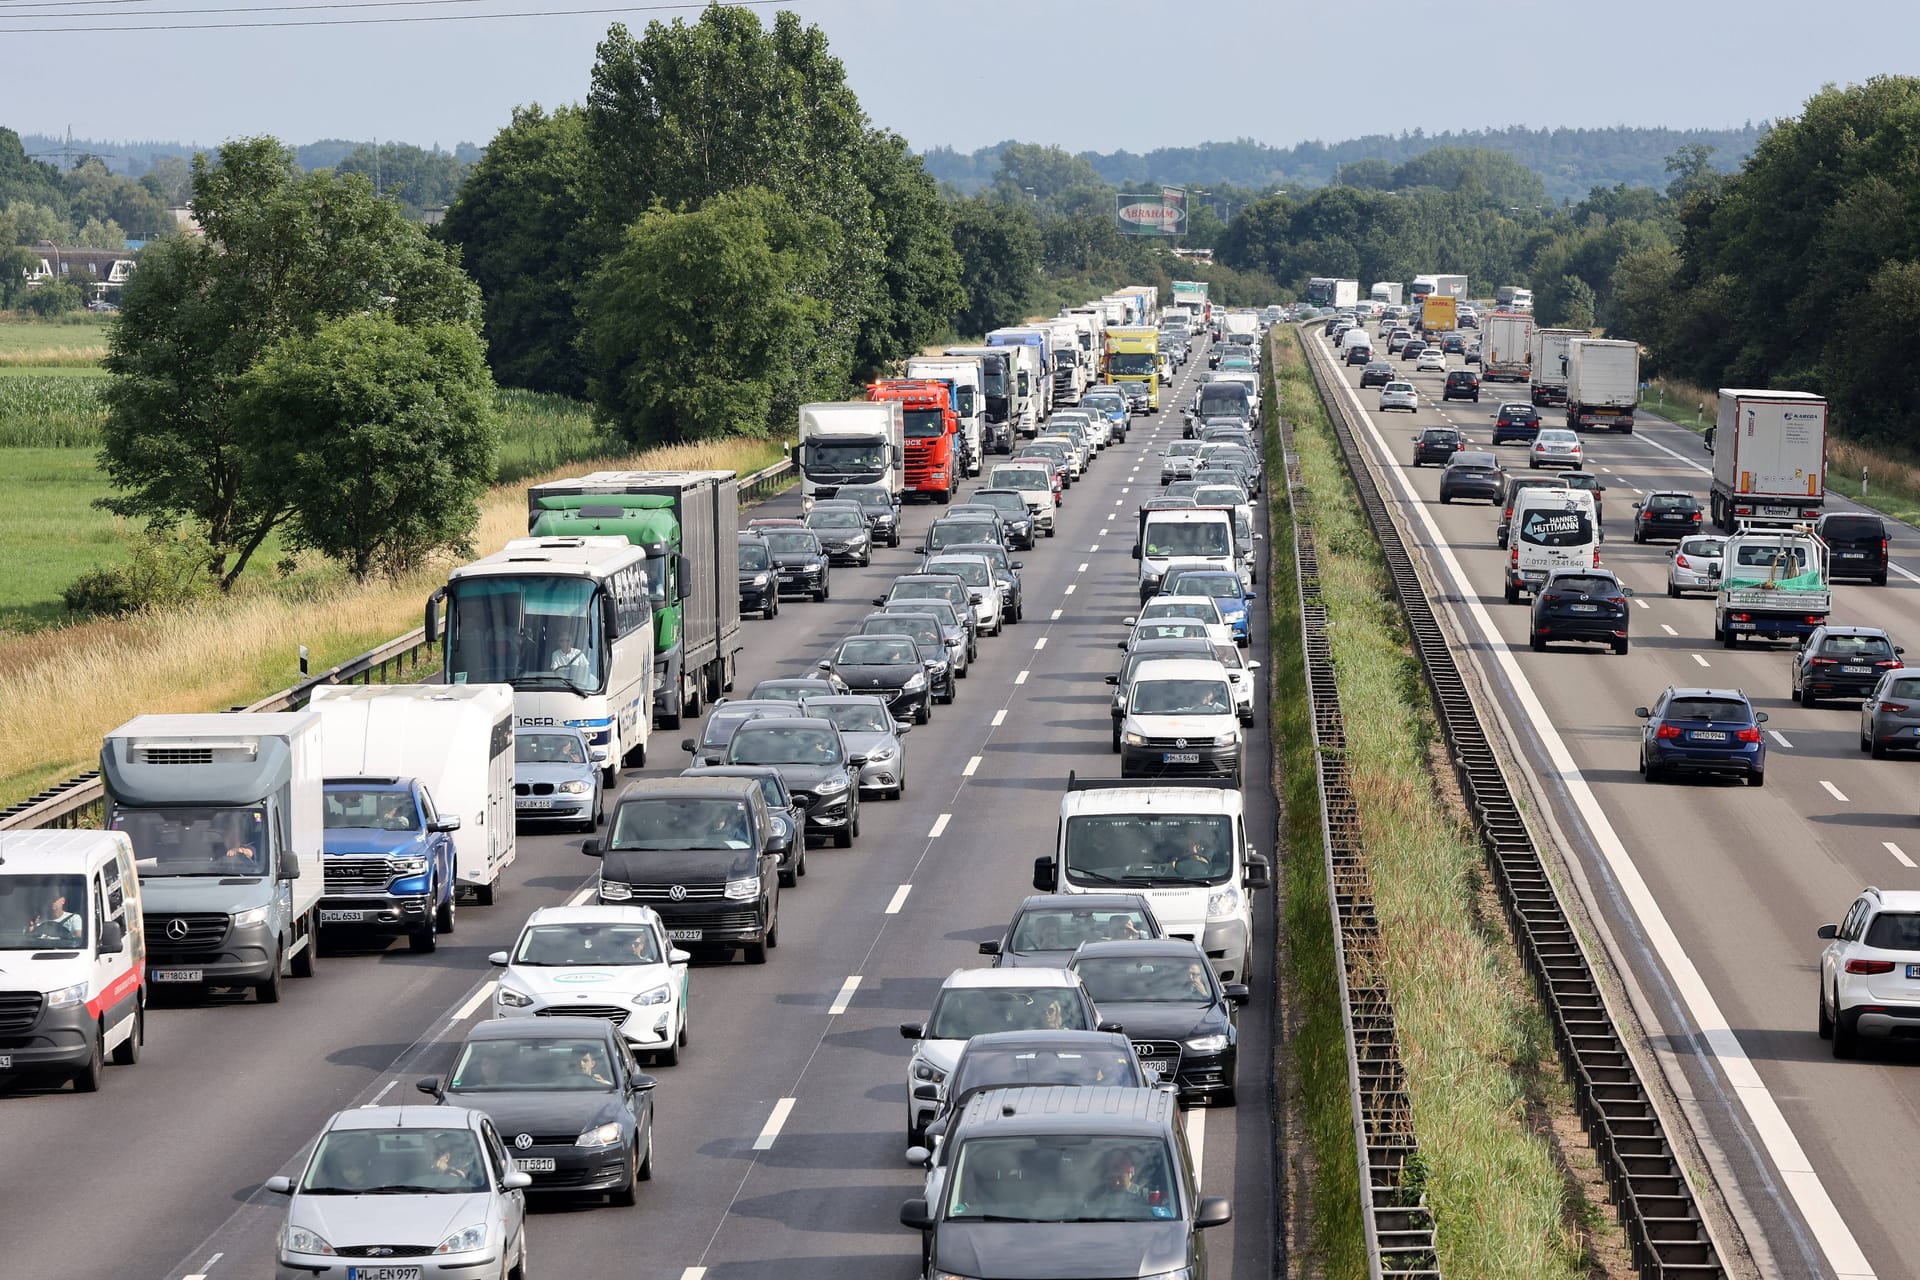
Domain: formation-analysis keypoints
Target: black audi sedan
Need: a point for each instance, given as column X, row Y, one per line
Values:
column 819, row 771
column 889, row 667
column 1174, row 1008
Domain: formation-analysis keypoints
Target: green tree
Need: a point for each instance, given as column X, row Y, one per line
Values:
column 282, row 254
column 33, row 223
column 96, row 194
column 1000, row 250
column 709, row 323
column 522, row 222
column 382, row 436
column 919, row 290
column 419, row 179
column 1572, row 304
column 1694, row 177
column 1877, row 381
column 33, row 181
column 1046, row 174
column 100, row 235
column 169, row 180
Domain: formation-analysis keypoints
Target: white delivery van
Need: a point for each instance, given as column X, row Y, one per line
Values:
column 73, row 952
column 457, row 739
column 1551, row 529
column 1180, row 534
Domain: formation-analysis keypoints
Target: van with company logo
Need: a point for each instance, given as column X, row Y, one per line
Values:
column 72, row 955
column 1550, row 529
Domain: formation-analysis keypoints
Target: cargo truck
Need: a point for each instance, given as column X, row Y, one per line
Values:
column 850, row 442
column 1133, row 355
column 1773, row 586
column 1193, row 293
column 1320, row 290
column 932, row 427
column 1149, row 297
column 1603, row 383
column 224, row 813
column 1550, row 364
column 1038, row 363
column 1346, row 293
column 457, row 741
column 968, row 377
column 1769, row 458
column 1385, row 292
column 1437, row 313
column 1089, row 323
column 1454, row 287
column 686, row 522
column 1069, row 376
column 998, row 370
column 1506, row 347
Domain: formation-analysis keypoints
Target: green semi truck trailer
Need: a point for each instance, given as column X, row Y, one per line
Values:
column 686, row 522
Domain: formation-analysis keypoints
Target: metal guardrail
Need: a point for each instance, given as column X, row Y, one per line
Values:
column 76, row 802
column 1394, row 1214
column 1651, row 1193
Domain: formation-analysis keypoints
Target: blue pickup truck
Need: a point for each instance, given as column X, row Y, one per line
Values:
column 388, row 860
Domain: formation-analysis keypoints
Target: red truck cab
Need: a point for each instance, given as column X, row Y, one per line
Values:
column 934, row 464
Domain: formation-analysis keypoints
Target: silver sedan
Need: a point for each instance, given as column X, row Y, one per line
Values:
column 874, row 739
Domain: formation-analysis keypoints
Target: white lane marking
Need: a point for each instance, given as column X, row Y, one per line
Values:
column 1124, row 489
column 1056, row 615
column 1082, row 568
column 694, row 1273
column 1019, row 679
column 1834, row 791
column 1094, row 547
column 1069, row 590
column 580, row 898
column 1041, row 643
column 1604, row 470
column 939, row 825
column 1642, row 603
column 840, row 1002
column 1669, row 630
column 1802, row 1181
column 1894, row 849
column 385, row 1089
column 1780, row 738
column 1702, row 661
column 473, row 1002
column 781, row 1110
column 899, row 899
column 973, row 762
column 1197, row 1139
column 1103, row 533
column 1000, row 716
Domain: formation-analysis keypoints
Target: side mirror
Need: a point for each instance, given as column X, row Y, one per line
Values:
column 643, row 1083
column 498, row 959
column 516, row 1181
column 919, row 1155
column 1043, row 878
column 823, row 665
column 1760, row 717
column 1112, row 1028
column 281, row 1185
column 879, row 599
column 592, row 848
column 1827, row 931
column 990, row 948
column 1259, row 872
column 1128, row 622
column 1017, row 564
column 1626, row 591
column 920, row 550
column 1898, row 650
column 677, row 956
column 430, row 1085
column 913, row 1213
column 1215, row 1211
column 1713, row 571
column 113, row 936
column 1641, row 713
column 1237, row 993
column 688, row 745
column 1136, row 551
column 901, row 728
column 1253, row 664
column 912, row 1030
column 1113, row 680
column 289, row 868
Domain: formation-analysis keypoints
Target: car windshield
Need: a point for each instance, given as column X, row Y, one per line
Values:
column 395, row 1162
column 1855, row 648
column 1077, row 1177
column 548, row 748
column 926, row 591
column 1146, row 979
column 940, row 610
column 195, row 840
column 1170, row 629
column 788, row 690
column 588, row 943
column 1708, row 548
column 1724, row 710
column 533, row 1065
column 1894, row 931
column 1179, row 698
column 1397, row 388
column 42, row 911
column 1135, row 849
column 1065, row 928
column 947, row 535
column 376, row 808
column 960, row 1013
column 923, row 632
column 868, row 495
column 682, row 822
column 997, row 1068
column 1848, row 528
column 793, row 542
column 1022, row 478
column 1203, row 609
column 859, row 718
column 722, row 723
column 876, row 651
column 841, row 519
column 1002, row 501
column 1781, row 562
column 1205, row 584
column 975, row 573
column 1555, row 436
column 753, row 557
column 795, row 745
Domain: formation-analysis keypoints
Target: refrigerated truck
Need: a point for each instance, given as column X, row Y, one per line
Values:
column 224, row 812
column 686, row 522
column 1769, row 458
column 1603, row 383
column 1506, row 347
column 851, row 442
column 1550, row 364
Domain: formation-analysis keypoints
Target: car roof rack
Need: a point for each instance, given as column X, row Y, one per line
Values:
column 1077, row 783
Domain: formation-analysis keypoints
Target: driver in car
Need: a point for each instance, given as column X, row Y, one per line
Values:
column 57, row 920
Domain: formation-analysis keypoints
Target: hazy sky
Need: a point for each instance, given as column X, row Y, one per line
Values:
column 1087, row 74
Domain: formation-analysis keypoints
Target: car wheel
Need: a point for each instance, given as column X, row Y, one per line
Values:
column 1513, row 594
column 1758, row 778
column 923, row 713
column 790, row 877
column 1620, row 645
column 821, row 594
column 484, row 894
column 1808, row 700
column 1846, row 1040
column 1877, row 751
column 756, row 952
column 1730, row 639
column 1823, row 1023
column 799, row 869
column 1879, row 579
column 1673, row 592
column 1444, row 499
column 127, row 1052
column 1639, row 536
column 87, row 1078
column 1654, row 773
column 627, row 1194
column 843, row 838
column 645, row 1172
column 425, row 940
column 1537, row 643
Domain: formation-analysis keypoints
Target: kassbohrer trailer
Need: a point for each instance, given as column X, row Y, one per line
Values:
column 1769, row 458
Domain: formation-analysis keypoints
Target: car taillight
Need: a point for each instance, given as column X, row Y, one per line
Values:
column 1887, row 662
column 1815, row 619
column 1869, row 966
column 1696, row 517
column 1748, row 735
column 1883, row 546
column 1667, row 731
column 1825, row 662
column 1596, row 557
column 1516, row 553
column 1742, row 617
column 1897, row 708
column 1680, row 562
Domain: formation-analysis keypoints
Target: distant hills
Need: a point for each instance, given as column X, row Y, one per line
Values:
column 134, row 158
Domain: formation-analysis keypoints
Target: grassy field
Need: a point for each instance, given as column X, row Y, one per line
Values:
column 77, row 341
column 1477, row 1051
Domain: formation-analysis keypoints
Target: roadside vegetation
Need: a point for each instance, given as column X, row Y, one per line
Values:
column 1481, row 1072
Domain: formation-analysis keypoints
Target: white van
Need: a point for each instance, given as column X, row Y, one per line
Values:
column 1199, row 533
column 1551, row 529
column 73, row 949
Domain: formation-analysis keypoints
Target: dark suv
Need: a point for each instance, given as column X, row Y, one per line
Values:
column 759, row 577
column 1462, row 384
column 1473, row 475
column 1377, row 373
column 1665, row 515
column 1858, row 541
column 1580, row 604
column 1437, row 444
column 1516, row 422
column 1842, row 662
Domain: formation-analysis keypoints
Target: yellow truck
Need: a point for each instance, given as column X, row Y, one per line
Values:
column 1439, row 313
column 1133, row 355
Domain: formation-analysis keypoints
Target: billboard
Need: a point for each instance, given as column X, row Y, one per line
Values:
column 1153, row 213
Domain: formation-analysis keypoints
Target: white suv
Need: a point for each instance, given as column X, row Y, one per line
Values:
column 1870, row 971
column 612, row 962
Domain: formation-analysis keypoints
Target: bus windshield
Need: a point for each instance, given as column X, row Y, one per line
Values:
column 531, row 633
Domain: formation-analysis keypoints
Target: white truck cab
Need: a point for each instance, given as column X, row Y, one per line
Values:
column 72, row 954
column 1180, row 844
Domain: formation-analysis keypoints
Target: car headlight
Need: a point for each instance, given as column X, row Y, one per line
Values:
column 511, row 998
column 831, row 787
column 937, row 666
column 1207, row 1044
column 249, row 919
column 1236, row 615
column 615, row 891
column 573, row 788
column 781, row 827
column 926, row 1072
column 760, row 579
column 1134, row 739
column 301, row 1240
column 659, row 995
column 67, row 997
column 745, row 889
column 600, row 1135
column 1224, row 903
column 881, row 756
column 465, row 1239
column 915, row 682
column 937, row 1274
column 402, row 867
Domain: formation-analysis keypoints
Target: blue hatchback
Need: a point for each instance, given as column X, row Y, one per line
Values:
column 1229, row 593
column 1703, row 731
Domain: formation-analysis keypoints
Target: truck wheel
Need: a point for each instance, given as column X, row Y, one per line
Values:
column 944, row 496
column 425, row 940
column 483, row 895
column 305, row 958
column 448, row 913
column 87, row 1078
column 268, row 992
column 127, row 1052
column 1513, row 594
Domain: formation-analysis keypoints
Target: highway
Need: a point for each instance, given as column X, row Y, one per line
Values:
column 1712, row 890
column 779, row 1144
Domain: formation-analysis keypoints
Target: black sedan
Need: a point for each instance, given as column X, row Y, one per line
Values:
column 566, row 1098
column 1013, row 513
column 843, row 533
column 881, row 506
column 1412, row 350
column 1438, row 445
column 885, row 666
column 1049, row 927
column 931, row 642
column 1007, row 1059
column 759, row 577
column 938, row 586
column 1176, row 1012
column 797, row 689
column 954, row 629
column 1666, row 514
column 787, row 842
column 1842, row 662
column 814, row 762
column 1473, row 475
column 1580, row 604
column 802, row 560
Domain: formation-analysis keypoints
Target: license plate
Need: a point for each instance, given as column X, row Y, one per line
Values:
column 535, row 804
column 384, row 1273
column 685, row 935
column 1709, row 735
column 1856, row 671
column 342, row 917
column 1853, row 555
column 1776, row 511
column 1913, row 971
column 1180, row 757
column 1585, row 608
column 174, row 975
column 1740, row 626
column 6, row 1062
column 534, row 1164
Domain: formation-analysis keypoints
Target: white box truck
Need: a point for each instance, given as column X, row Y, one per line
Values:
column 968, row 375
column 1603, row 383
column 1385, row 292
column 1769, row 458
column 1506, row 347
column 849, row 442
column 1550, row 364
column 224, row 812
column 457, row 739
column 1346, row 293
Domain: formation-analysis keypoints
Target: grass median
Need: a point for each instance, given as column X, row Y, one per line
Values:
column 1486, row 1093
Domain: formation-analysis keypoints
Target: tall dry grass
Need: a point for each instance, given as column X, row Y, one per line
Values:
column 60, row 690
